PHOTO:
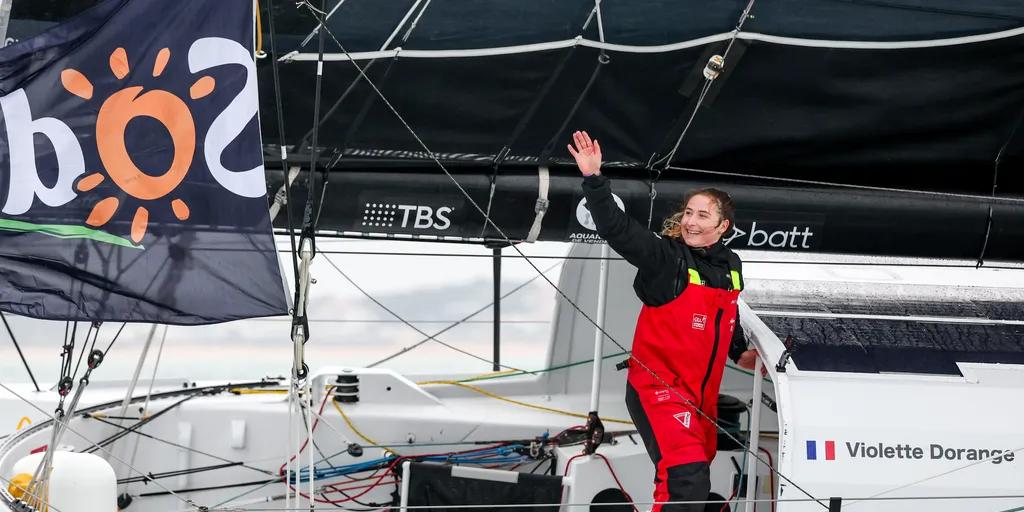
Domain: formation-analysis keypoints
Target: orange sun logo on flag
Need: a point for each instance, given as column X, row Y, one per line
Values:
column 114, row 115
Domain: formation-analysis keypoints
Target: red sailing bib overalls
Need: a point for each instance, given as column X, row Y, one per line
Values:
column 684, row 342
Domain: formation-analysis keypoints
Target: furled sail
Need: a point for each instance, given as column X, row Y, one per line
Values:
column 131, row 173
column 885, row 127
column 824, row 115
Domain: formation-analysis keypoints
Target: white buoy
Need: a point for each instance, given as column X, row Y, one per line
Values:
column 79, row 482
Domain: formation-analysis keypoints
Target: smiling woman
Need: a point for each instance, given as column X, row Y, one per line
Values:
column 704, row 217
column 686, row 280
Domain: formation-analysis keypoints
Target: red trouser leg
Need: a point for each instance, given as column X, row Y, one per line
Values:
column 675, row 440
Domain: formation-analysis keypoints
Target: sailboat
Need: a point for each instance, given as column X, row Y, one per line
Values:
column 874, row 148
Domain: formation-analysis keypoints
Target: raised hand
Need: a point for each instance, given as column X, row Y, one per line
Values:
column 587, row 153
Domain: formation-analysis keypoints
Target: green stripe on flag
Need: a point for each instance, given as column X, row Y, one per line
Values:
column 66, row 231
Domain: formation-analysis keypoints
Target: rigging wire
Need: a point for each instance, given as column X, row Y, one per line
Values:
column 193, row 392
column 64, row 423
column 179, row 472
column 92, row 412
column 41, row 476
column 246, row 493
column 316, row 29
column 531, row 111
column 933, row 477
column 114, row 339
column 134, row 428
column 413, row 327
column 94, row 331
column 709, row 77
column 64, row 382
column 561, row 293
column 458, row 322
column 355, row 81
column 299, row 384
column 935, row 264
column 284, row 142
column 226, row 461
column 312, row 440
column 874, row 498
column 872, row 188
column 995, row 184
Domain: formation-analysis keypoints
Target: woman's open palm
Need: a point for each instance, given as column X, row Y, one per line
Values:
column 587, row 153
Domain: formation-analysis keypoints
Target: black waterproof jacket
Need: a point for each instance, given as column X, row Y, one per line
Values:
column 660, row 261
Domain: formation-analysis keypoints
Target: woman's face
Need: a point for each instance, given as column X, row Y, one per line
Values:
column 702, row 223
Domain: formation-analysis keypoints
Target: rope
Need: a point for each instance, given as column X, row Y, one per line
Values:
column 239, row 391
column 357, row 432
column 259, row 33
column 516, row 402
column 616, row 478
column 476, row 206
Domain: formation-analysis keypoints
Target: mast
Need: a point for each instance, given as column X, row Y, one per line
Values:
column 602, row 302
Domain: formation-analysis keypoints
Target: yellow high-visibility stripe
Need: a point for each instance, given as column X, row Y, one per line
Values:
column 694, row 276
column 735, row 280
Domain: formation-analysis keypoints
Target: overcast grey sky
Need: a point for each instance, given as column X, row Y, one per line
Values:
column 346, row 327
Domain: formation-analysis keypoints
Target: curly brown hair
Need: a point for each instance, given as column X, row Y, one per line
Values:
column 726, row 208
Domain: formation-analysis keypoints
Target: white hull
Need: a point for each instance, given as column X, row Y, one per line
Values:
column 851, row 413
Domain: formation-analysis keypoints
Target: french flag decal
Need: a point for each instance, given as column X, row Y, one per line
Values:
column 812, row 450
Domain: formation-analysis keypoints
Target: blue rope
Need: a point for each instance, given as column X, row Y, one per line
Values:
column 497, row 455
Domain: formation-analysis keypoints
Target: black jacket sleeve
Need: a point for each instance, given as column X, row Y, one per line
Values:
column 645, row 250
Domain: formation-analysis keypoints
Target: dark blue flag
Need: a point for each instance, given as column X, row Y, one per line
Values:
column 131, row 168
